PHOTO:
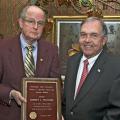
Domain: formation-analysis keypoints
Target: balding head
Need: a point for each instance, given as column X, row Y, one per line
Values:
column 28, row 9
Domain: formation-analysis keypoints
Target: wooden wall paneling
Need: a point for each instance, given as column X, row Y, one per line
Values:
column 9, row 11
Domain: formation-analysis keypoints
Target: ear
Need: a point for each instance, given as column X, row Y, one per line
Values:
column 20, row 21
column 105, row 39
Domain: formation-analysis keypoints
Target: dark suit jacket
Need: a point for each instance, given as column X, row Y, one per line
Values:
column 12, row 71
column 99, row 97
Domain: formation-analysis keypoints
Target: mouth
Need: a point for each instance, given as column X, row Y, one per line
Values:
column 88, row 46
column 34, row 32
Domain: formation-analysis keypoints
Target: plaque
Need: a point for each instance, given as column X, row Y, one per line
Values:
column 43, row 97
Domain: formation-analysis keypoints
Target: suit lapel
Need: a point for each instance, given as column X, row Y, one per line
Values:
column 16, row 58
column 92, row 77
column 41, row 59
column 73, row 74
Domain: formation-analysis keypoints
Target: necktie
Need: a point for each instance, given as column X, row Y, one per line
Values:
column 29, row 62
column 84, row 74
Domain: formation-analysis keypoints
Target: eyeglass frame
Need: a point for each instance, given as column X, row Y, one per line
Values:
column 33, row 21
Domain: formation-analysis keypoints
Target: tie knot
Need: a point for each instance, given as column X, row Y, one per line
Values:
column 29, row 47
column 86, row 62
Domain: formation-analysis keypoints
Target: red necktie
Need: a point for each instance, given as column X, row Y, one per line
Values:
column 84, row 74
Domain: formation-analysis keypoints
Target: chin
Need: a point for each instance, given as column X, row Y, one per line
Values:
column 35, row 37
column 87, row 52
column 88, row 55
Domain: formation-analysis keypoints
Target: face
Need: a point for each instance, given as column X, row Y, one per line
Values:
column 91, row 38
column 33, row 24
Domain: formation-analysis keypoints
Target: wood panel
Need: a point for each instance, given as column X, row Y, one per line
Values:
column 9, row 11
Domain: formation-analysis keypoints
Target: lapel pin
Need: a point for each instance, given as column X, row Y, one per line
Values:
column 99, row 70
column 41, row 60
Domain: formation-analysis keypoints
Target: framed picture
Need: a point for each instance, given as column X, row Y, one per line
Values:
column 66, row 35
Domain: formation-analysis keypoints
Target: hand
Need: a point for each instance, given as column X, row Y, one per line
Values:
column 62, row 118
column 17, row 96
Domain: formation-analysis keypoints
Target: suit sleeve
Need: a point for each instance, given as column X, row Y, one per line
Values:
column 4, row 88
column 113, row 113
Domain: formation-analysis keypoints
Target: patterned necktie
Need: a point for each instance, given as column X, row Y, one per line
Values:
column 29, row 62
column 84, row 74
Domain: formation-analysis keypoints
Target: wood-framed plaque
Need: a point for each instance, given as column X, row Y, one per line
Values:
column 43, row 97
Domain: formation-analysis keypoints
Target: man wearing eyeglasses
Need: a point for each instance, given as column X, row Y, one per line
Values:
column 92, row 81
column 14, row 63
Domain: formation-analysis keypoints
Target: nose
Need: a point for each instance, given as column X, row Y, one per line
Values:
column 88, row 38
column 36, row 25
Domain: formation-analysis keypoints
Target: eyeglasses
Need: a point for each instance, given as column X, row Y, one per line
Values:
column 91, row 35
column 34, row 22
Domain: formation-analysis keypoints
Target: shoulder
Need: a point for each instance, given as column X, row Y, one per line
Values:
column 8, row 41
column 115, row 59
column 74, row 58
column 112, row 56
column 112, row 60
column 43, row 43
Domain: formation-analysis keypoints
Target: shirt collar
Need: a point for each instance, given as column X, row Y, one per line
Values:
column 24, row 43
column 90, row 60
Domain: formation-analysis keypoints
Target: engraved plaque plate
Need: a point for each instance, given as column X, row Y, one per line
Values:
column 43, row 97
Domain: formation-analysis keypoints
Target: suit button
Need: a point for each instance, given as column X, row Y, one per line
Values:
column 71, row 113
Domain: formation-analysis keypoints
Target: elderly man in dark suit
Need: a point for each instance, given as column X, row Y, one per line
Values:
column 92, row 82
column 13, row 56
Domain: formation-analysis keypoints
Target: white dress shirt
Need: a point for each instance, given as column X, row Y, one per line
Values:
column 80, row 69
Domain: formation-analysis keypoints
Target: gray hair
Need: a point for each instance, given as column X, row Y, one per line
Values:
column 103, row 25
column 25, row 9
